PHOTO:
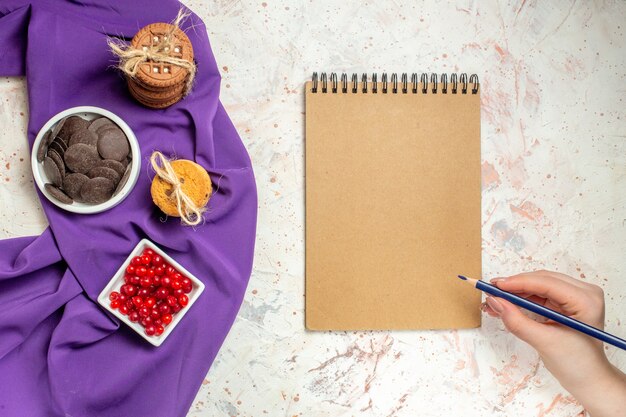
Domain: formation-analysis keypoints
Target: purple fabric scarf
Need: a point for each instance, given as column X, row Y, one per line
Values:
column 60, row 353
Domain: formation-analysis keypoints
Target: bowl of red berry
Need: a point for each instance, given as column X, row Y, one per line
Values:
column 151, row 292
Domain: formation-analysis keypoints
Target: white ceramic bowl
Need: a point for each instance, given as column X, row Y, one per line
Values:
column 89, row 113
column 118, row 280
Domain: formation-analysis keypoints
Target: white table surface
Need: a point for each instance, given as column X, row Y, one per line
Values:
column 554, row 178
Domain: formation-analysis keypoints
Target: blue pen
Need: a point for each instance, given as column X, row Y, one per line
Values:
column 546, row 312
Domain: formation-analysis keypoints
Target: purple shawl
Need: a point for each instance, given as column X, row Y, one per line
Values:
column 60, row 353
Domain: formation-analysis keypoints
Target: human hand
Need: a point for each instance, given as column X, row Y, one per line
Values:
column 578, row 361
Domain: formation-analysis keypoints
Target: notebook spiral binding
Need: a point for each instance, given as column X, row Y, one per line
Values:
column 417, row 84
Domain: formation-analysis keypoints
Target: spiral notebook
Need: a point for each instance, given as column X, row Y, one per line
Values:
column 393, row 193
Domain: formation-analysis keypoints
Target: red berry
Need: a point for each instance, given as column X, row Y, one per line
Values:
column 170, row 271
column 150, row 330
column 148, row 252
column 145, row 282
column 156, row 281
column 177, row 293
column 149, row 302
column 187, row 289
column 144, row 292
column 159, row 330
column 128, row 289
column 159, row 270
column 144, row 311
column 157, row 260
column 146, row 321
column 115, row 304
column 183, row 300
column 114, row 295
column 129, row 305
column 186, row 282
column 136, row 261
column 176, row 308
column 135, row 280
column 171, row 300
column 122, row 298
column 133, row 316
column 154, row 314
column 176, row 285
column 166, row 319
column 161, row 293
column 140, row 271
column 123, row 309
column 145, row 259
column 150, row 273
column 164, row 309
column 137, row 301
column 166, row 281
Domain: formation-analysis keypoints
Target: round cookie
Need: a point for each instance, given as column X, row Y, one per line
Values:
column 81, row 157
column 196, row 184
column 158, row 74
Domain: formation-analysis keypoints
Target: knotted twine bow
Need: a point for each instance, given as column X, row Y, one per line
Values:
column 132, row 58
column 190, row 213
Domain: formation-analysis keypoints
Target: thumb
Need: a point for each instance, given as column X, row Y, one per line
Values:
column 522, row 326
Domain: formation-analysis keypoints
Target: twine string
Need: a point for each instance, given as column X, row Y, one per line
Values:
column 190, row 213
column 130, row 59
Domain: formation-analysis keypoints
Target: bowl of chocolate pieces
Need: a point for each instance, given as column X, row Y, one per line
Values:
column 86, row 160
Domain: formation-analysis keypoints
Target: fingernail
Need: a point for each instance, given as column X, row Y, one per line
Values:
column 495, row 305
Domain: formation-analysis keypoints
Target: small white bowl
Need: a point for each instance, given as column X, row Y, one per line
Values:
column 118, row 280
column 89, row 113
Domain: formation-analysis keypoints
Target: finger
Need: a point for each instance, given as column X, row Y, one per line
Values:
column 519, row 324
column 557, row 275
column 546, row 286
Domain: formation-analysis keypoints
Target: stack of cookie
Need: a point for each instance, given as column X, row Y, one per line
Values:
column 159, row 84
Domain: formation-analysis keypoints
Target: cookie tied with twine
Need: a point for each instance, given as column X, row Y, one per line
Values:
column 181, row 188
column 158, row 63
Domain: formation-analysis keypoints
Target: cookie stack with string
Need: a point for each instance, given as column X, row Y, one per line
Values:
column 158, row 65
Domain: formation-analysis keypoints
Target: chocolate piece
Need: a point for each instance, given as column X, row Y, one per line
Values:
column 58, row 194
column 72, row 184
column 123, row 181
column 97, row 190
column 57, row 147
column 43, row 147
column 57, row 128
column 113, row 144
column 61, row 143
column 72, row 124
column 81, row 157
column 119, row 167
column 54, row 155
column 52, row 171
column 98, row 123
column 84, row 136
column 104, row 172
